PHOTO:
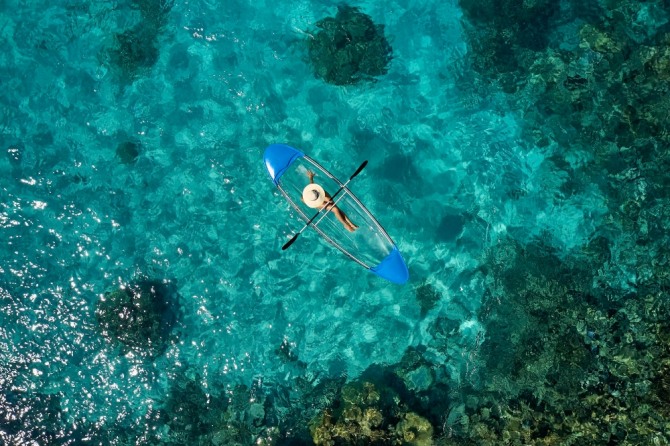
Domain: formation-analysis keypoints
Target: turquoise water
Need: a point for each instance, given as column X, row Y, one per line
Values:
column 525, row 218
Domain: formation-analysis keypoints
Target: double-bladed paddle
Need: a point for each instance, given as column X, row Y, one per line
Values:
column 295, row 237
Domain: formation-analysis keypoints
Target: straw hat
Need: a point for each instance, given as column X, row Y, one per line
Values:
column 313, row 195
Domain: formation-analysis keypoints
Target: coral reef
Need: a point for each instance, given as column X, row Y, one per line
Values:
column 189, row 411
column 139, row 316
column 603, row 93
column 196, row 417
column 348, row 48
column 502, row 33
column 128, row 151
column 136, row 49
column 234, row 418
column 577, row 347
column 450, row 227
column 285, row 352
column 367, row 415
column 192, row 414
column 427, row 297
column 564, row 366
column 30, row 418
column 415, row 430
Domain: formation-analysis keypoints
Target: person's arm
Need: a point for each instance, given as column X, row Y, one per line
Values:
column 310, row 175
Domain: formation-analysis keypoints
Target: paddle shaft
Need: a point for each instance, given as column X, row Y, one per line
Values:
column 295, row 237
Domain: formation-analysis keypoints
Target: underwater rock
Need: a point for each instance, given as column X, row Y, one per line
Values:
column 154, row 12
column 139, row 316
column 256, row 414
column 427, row 297
column 420, row 380
column 450, row 227
column 128, row 151
column 575, row 82
column 43, row 135
column 136, row 49
column 286, row 351
column 661, row 384
column 349, row 48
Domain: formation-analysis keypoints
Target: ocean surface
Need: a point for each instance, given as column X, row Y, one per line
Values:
column 518, row 155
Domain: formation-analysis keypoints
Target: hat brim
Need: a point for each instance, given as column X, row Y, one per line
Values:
column 308, row 195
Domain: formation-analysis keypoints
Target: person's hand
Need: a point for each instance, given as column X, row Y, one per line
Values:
column 310, row 175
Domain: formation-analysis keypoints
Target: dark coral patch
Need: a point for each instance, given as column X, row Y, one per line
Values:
column 427, row 297
column 349, row 48
column 136, row 50
column 128, row 151
column 139, row 316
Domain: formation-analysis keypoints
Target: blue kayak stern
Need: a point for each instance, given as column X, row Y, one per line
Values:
column 393, row 268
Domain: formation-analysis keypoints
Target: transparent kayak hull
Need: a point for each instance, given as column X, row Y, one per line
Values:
column 370, row 246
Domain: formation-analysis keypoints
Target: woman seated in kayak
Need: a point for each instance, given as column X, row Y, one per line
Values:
column 316, row 197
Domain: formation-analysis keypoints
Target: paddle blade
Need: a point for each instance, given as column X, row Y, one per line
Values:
column 290, row 242
column 365, row 163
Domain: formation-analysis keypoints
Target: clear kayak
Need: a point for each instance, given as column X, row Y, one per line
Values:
column 370, row 246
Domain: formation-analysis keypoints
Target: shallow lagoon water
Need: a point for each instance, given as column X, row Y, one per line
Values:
column 452, row 176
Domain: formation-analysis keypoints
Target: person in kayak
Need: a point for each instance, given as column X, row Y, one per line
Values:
column 316, row 197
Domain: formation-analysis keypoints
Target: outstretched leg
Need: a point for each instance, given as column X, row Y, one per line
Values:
column 353, row 226
column 342, row 217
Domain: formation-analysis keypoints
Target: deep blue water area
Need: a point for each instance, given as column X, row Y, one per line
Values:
column 518, row 155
